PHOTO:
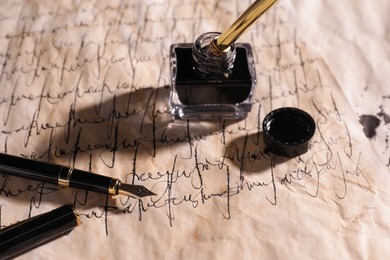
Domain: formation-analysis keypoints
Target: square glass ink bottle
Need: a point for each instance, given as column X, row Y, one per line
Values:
column 209, row 86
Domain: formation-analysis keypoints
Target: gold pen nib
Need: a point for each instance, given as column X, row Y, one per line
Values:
column 134, row 190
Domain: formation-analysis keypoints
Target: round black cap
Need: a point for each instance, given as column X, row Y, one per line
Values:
column 287, row 131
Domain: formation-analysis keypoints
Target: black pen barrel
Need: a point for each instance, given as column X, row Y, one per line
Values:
column 30, row 169
column 63, row 176
column 28, row 234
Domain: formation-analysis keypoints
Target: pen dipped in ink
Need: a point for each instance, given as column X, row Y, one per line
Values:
column 215, row 77
column 68, row 177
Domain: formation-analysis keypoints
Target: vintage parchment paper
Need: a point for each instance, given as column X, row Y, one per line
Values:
column 86, row 84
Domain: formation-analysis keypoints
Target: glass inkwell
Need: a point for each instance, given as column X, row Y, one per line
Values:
column 215, row 77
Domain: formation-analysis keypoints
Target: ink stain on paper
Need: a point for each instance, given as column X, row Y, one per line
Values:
column 384, row 115
column 370, row 123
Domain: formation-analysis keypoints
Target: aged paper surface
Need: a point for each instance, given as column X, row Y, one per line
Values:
column 86, row 84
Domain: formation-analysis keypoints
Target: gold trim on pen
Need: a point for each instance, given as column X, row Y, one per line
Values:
column 77, row 216
column 64, row 177
column 228, row 37
column 114, row 187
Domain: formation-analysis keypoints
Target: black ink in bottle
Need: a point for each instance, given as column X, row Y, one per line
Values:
column 206, row 86
column 215, row 77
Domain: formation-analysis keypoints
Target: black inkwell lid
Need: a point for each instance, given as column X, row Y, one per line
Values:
column 287, row 131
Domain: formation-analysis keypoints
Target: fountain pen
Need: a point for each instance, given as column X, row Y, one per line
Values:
column 68, row 177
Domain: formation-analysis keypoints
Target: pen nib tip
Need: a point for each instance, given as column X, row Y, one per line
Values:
column 134, row 190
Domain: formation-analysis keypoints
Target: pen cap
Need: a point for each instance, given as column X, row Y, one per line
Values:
column 287, row 131
column 30, row 233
